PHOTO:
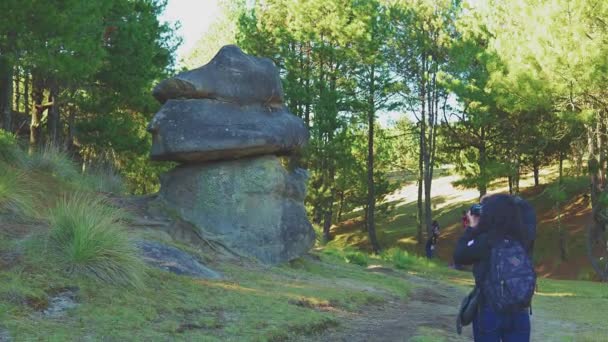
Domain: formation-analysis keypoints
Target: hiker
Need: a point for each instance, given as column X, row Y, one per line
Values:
column 528, row 218
column 432, row 240
column 430, row 246
column 496, row 240
column 474, row 212
column 435, row 230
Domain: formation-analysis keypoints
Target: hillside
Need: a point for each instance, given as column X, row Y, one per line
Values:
column 396, row 227
column 99, row 289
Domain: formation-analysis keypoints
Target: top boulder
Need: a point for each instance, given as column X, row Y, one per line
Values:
column 231, row 76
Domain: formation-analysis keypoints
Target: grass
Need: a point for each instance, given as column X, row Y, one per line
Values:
column 252, row 303
column 575, row 302
column 403, row 260
column 102, row 179
column 54, row 161
column 88, row 238
column 16, row 196
column 10, row 152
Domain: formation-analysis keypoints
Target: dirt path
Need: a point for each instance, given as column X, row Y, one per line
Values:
column 429, row 311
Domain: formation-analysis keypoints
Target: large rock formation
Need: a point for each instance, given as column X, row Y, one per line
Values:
column 226, row 123
column 204, row 130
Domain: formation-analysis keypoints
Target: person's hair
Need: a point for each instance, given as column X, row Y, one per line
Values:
column 435, row 223
column 501, row 218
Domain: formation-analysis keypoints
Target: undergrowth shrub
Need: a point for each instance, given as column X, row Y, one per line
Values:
column 10, row 152
column 348, row 254
column 399, row 258
column 88, row 238
column 104, row 179
column 55, row 161
column 356, row 257
column 403, row 260
column 16, row 195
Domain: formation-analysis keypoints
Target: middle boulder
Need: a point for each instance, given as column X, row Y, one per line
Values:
column 228, row 109
column 199, row 130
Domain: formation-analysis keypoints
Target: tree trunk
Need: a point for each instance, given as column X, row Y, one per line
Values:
column 483, row 184
column 428, row 209
column 26, row 92
column 17, row 89
column 561, row 167
column 371, row 195
column 327, row 223
column 35, row 129
column 329, row 207
column 69, row 141
column 562, row 233
column 597, row 229
column 341, row 206
column 53, row 123
column 516, row 177
column 6, row 93
column 510, row 178
column 420, row 212
column 536, row 172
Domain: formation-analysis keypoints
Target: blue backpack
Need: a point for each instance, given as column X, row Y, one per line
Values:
column 511, row 280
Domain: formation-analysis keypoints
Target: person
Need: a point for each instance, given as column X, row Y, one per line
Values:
column 528, row 218
column 499, row 222
column 431, row 242
column 430, row 246
column 435, row 229
column 472, row 215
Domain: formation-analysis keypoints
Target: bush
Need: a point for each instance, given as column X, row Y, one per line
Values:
column 10, row 152
column 55, row 161
column 348, row 254
column 103, row 179
column 16, row 196
column 399, row 258
column 88, row 238
column 356, row 257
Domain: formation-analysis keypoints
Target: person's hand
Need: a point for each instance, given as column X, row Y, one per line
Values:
column 473, row 220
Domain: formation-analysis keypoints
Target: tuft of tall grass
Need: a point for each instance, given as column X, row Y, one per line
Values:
column 348, row 254
column 10, row 152
column 88, row 237
column 103, row 179
column 16, row 195
column 403, row 260
column 54, row 160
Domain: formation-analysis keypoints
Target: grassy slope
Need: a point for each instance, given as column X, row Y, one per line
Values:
column 251, row 303
column 397, row 228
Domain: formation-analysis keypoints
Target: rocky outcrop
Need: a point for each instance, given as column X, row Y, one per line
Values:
column 231, row 76
column 226, row 124
column 174, row 260
column 207, row 130
column 252, row 205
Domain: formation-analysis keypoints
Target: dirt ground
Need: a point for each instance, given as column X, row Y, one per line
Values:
column 430, row 312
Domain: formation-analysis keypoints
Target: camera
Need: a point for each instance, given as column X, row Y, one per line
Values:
column 476, row 209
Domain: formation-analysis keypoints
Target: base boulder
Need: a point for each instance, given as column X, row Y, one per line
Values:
column 253, row 206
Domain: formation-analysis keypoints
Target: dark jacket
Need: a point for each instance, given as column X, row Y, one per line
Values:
column 473, row 248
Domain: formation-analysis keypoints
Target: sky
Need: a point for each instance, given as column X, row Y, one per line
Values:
column 194, row 16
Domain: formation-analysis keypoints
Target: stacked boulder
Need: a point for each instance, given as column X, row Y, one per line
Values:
column 226, row 124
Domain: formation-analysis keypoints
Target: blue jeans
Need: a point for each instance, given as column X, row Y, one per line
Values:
column 490, row 326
